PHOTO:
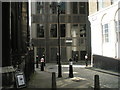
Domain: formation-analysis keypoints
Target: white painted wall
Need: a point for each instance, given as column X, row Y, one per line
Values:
column 97, row 19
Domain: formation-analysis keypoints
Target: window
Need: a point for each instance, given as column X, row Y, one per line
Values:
column 74, row 30
column 117, row 30
column 40, row 7
column 40, row 30
column 117, row 26
column 62, row 8
column 82, row 8
column 62, row 30
column 100, row 4
column 53, row 7
column 53, row 30
column 82, row 30
column 105, row 33
column 75, row 8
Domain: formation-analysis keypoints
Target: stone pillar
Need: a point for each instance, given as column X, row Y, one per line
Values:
column 33, row 29
column 35, row 53
column 33, row 7
column 68, row 32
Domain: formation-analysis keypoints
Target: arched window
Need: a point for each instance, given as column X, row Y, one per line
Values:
column 105, row 29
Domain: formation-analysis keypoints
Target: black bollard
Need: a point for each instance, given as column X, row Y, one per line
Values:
column 86, row 60
column 53, row 80
column 57, row 57
column 96, row 83
column 36, row 61
column 37, row 64
column 42, row 64
column 44, row 59
column 70, row 69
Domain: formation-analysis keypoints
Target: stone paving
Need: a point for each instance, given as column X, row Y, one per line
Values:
column 83, row 77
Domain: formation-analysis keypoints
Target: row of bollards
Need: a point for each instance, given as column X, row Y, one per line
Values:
column 96, row 81
column 96, row 77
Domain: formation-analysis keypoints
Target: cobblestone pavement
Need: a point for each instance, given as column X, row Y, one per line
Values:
column 83, row 77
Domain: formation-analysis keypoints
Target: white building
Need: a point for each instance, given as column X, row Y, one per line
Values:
column 105, row 30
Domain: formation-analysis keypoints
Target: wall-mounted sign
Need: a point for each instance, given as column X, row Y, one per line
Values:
column 68, row 42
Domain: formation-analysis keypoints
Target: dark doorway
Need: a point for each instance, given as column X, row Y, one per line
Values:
column 82, row 55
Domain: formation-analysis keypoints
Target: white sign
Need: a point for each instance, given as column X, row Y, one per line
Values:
column 68, row 41
column 20, row 80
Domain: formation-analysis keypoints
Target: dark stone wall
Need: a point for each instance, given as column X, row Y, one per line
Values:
column 106, row 63
column 5, row 34
column 17, row 54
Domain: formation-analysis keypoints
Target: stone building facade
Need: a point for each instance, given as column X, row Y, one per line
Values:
column 73, row 27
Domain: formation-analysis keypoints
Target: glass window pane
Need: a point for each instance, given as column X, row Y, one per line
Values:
column 53, row 30
column 62, row 30
column 82, row 8
column 74, row 8
column 100, row 4
column 53, row 7
column 105, row 33
column 62, row 7
column 106, row 25
column 82, row 30
column 74, row 30
column 40, row 30
column 40, row 7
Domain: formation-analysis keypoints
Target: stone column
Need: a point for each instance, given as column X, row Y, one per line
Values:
column 35, row 53
column 68, row 32
column 33, row 28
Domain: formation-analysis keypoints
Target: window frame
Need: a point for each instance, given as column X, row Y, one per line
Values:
column 73, row 8
column 41, row 7
column 105, row 33
column 50, row 30
column 83, row 10
column 43, row 30
column 64, row 31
